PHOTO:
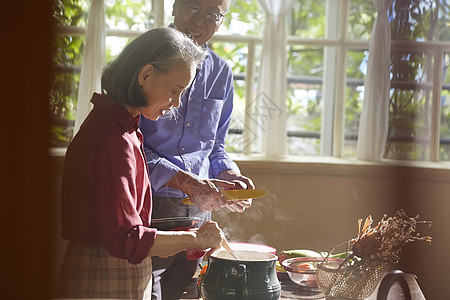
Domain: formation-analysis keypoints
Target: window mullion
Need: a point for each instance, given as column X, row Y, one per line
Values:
column 329, row 73
column 249, row 84
column 436, row 105
column 339, row 107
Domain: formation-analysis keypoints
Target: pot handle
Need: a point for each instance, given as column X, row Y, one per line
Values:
column 242, row 275
column 389, row 279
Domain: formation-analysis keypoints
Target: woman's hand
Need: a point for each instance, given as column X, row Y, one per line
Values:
column 209, row 236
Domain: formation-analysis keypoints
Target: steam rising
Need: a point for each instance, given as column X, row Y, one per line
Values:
column 251, row 225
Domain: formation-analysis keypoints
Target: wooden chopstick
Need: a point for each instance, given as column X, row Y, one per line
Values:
column 229, row 249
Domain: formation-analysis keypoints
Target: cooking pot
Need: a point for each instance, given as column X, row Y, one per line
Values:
column 251, row 277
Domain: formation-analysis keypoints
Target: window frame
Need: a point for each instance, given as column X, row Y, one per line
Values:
column 333, row 115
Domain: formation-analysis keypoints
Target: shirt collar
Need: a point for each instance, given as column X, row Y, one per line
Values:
column 116, row 111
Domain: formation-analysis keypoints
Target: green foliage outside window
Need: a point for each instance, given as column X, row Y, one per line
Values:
column 306, row 19
column 67, row 58
column 244, row 17
column 410, row 107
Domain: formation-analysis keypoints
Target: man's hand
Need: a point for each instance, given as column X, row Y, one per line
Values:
column 236, row 176
column 204, row 193
column 241, row 182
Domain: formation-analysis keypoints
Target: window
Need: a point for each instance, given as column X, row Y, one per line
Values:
column 124, row 20
column 327, row 54
column 67, row 58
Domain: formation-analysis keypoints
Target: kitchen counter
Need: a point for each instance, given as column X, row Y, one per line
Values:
column 290, row 290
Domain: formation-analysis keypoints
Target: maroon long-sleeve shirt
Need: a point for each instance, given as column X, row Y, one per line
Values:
column 106, row 193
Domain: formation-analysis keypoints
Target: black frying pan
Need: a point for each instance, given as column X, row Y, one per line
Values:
column 172, row 223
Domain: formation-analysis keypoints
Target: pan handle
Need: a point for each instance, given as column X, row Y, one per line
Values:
column 389, row 279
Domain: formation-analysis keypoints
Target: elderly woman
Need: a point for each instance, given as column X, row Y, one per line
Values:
column 106, row 201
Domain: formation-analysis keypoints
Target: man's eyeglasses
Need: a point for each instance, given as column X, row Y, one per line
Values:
column 209, row 16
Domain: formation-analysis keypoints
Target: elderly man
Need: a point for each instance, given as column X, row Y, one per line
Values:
column 186, row 155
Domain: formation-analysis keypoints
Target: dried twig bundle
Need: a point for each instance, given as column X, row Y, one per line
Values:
column 385, row 240
column 369, row 256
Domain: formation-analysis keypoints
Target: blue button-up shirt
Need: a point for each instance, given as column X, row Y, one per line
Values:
column 195, row 140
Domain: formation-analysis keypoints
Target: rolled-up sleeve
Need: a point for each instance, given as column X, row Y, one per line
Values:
column 138, row 243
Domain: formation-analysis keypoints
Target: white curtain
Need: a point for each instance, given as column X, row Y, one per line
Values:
column 373, row 125
column 93, row 61
column 270, row 100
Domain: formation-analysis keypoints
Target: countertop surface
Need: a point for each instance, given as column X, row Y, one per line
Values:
column 290, row 290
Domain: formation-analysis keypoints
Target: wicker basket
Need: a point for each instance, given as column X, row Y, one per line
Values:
column 355, row 280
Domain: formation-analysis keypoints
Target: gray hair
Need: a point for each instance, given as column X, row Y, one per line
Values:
column 164, row 48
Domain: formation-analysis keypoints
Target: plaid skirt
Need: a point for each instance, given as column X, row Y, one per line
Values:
column 90, row 272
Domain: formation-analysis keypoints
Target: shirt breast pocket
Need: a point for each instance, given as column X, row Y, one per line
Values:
column 209, row 117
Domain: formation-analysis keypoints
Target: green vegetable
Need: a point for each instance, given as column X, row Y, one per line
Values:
column 341, row 255
column 285, row 254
